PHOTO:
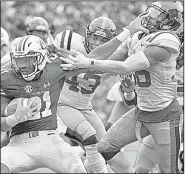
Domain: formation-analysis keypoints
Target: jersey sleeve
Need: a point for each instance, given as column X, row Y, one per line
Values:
column 63, row 39
column 166, row 40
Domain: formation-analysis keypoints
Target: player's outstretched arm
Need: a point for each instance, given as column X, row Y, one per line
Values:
column 136, row 62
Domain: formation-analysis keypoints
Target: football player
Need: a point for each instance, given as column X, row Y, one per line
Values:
column 74, row 106
column 146, row 156
column 152, row 56
column 34, row 138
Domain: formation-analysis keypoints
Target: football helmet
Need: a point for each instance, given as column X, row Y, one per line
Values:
column 99, row 31
column 4, row 42
column 163, row 16
column 38, row 26
column 28, row 57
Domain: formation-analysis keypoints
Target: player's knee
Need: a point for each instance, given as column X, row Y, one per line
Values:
column 85, row 130
column 4, row 168
column 91, row 140
column 106, row 151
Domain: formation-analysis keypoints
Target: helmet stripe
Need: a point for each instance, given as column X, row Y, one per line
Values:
column 62, row 39
column 69, row 40
column 20, row 44
column 25, row 42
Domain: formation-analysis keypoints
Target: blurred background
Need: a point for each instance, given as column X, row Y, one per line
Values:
column 73, row 16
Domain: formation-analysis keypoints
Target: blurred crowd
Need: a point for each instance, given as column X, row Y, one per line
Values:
column 74, row 16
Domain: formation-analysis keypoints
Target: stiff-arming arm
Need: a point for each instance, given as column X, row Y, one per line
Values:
column 136, row 62
column 139, row 61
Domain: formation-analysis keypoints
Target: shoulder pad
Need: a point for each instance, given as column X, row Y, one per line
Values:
column 165, row 39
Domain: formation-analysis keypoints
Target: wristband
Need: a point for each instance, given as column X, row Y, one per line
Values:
column 129, row 96
column 11, row 120
column 123, row 35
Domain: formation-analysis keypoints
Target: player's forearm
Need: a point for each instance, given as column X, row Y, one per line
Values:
column 134, row 63
column 4, row 126
column 104, row 51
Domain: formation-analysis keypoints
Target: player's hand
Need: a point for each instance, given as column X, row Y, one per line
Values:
column 75, row 61
column 127, row 83
column 22, row 109
column 136, row 24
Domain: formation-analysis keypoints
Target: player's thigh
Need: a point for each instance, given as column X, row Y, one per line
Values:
column 17, row 160
column 121, row 133
column 59, row 156
column 146, row 156
column 96, row 122
column 76, row 121
column 71, row 117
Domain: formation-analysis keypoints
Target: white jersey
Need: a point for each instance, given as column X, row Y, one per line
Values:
column 77, row 91
column 155, row 86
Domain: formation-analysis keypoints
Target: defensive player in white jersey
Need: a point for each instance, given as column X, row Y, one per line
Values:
column 74, row 106
column 153, row 59
column 146, row 156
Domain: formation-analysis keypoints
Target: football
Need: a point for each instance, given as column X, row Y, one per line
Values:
column 33, row 103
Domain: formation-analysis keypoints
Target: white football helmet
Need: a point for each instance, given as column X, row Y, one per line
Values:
column 29, row 56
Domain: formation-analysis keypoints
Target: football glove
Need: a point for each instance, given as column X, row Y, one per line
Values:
column 127, row 83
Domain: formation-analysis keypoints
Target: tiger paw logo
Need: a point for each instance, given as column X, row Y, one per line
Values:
column 28, row 89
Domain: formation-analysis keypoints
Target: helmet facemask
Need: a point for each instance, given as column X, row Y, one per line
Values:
column 94, row 40
column 28, row 65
